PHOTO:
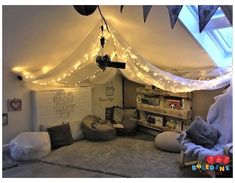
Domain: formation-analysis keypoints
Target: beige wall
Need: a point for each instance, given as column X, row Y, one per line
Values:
column 201, row 100
column 130, row 93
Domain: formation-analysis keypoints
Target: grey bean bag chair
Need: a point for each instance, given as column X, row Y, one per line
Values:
column 96, row 129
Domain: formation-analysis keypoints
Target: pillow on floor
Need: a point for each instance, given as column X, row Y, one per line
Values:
column 75, row 126
column 60, row 136
column 167, row 141
column 202, row 133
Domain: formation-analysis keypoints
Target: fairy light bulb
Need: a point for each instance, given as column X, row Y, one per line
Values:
column 137, row 69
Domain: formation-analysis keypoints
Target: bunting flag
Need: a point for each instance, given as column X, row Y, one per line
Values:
column 205, row 12
column 228, row 11
column 121, row 8
column 146, row 10
column 174, row 12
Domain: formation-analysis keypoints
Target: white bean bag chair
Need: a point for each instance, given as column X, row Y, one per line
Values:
column 30, row 146
column 167, row 141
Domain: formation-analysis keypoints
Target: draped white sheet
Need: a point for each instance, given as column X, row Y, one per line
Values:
column 80, row 68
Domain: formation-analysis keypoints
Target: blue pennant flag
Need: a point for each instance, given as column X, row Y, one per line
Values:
column 146, row 9
column 205, row 12
column 174, row 12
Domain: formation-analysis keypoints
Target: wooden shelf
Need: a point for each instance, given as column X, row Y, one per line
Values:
column 161, row 92
column 154, row 127
column 182, row 114
column 172, row 110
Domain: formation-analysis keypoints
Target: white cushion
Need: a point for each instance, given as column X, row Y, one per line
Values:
column 118, row 115
column 30, row 146
column 167, row 141
column 76, row 130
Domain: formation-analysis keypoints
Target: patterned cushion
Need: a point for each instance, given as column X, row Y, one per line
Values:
column 167, row 141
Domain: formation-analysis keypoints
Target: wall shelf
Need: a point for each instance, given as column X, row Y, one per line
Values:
column 162, row 110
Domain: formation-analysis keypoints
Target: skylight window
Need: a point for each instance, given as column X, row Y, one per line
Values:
column 216, row 38
column 224, row 37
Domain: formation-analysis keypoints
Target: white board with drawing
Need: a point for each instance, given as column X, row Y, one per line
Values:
column 52, row 107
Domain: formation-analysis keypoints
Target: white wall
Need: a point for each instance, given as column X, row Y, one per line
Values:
column 21, row 121
column 100, row 101
column 17, row 121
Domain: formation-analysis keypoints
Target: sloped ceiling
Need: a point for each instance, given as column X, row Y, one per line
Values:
column 42, row 36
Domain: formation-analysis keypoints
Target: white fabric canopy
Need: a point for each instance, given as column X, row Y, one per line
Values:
column 80, row 68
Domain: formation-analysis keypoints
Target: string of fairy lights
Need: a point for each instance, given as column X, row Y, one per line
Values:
column 151, row 75
column 137, row 69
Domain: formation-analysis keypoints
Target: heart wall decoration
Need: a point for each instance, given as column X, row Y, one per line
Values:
column 14, row 105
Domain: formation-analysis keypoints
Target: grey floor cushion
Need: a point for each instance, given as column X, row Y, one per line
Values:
column 96, row 129
column 167, row 141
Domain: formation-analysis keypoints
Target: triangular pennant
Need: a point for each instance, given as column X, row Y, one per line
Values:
column 228, row 11
column 146, row 9
column 205, row 12
column 174, row 12
column 121, row 8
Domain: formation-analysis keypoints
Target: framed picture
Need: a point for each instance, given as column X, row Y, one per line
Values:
column 156, row 120
column 14, row 105
column 4, row 119
column 109, row 91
